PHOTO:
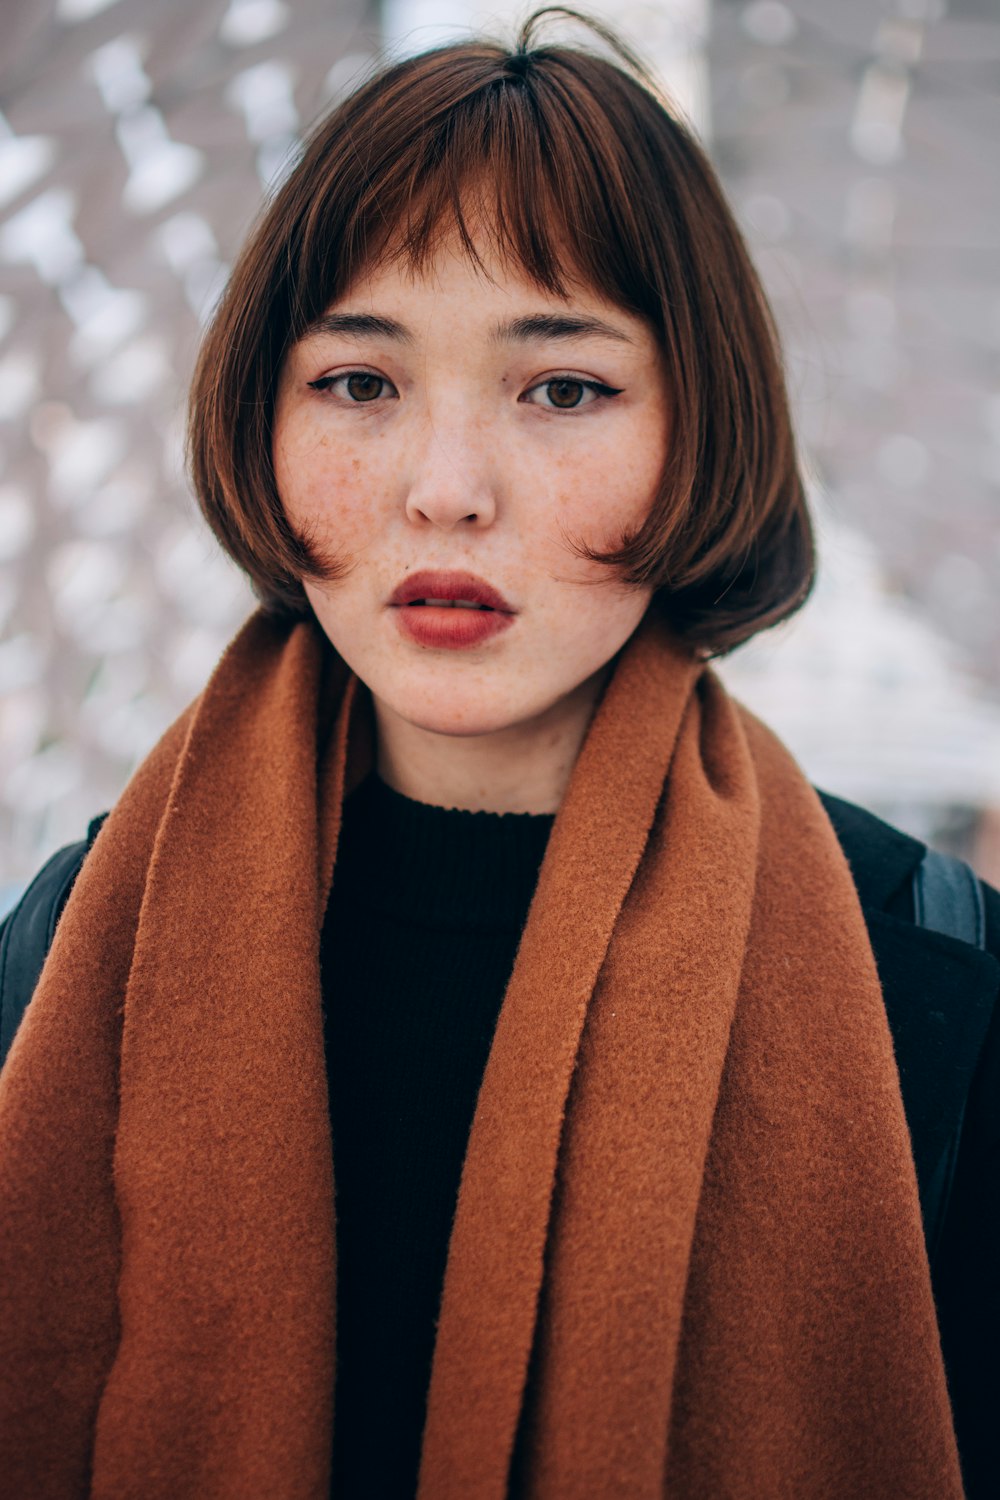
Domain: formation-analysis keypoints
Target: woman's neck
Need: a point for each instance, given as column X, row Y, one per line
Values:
column 523, row 767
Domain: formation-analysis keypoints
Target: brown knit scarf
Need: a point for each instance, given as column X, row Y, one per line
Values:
column 687, row 1258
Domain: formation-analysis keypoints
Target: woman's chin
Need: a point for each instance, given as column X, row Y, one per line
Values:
column 463, row 718
column 475, row 709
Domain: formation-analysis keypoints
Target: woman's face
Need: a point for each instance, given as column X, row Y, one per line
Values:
column 465, row 424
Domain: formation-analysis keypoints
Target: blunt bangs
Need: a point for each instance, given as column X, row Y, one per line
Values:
column 576, row 173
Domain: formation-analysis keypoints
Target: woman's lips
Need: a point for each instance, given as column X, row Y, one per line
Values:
column 441, row 584
column 450, row 626
column 450, row 609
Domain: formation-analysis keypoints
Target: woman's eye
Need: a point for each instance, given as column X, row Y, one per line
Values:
column 566, row 393
column 359, row 386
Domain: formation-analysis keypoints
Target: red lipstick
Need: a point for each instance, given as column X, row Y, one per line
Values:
column 450, row 609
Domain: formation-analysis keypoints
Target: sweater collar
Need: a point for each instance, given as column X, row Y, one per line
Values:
column 438, row 866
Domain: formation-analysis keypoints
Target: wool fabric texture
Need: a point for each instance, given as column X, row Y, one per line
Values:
column 687, row 1257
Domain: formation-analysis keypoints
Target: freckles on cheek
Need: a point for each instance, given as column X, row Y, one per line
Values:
column 318, row 480
column 594, row 498
column 346, row 516
column 593, row 512
column 353, row 519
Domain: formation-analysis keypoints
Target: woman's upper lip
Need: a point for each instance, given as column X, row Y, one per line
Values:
column 436, row 584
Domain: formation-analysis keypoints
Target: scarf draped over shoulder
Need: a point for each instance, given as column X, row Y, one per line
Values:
column 687, row 1259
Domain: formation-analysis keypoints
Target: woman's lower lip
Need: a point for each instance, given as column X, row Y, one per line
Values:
column 452, row 628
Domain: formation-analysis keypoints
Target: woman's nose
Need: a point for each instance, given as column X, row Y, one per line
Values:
column 453, row 481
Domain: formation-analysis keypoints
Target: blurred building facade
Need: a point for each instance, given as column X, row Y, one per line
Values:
column 138, row 139
column 856, row 142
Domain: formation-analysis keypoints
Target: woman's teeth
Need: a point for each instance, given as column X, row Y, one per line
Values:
column 451, row 603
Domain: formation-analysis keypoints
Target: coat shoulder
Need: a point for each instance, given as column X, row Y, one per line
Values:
column 883, row 860
column 942, row 998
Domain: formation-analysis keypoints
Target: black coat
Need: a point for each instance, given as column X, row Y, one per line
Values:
column 940, row 997
column 950, row 977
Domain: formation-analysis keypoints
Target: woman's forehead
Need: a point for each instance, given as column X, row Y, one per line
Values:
column 485, row 271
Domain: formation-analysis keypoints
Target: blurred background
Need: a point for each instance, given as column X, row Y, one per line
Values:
column 858, row 144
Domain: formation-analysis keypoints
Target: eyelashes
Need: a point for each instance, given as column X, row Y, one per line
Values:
column 566, row 392
column 361, row 379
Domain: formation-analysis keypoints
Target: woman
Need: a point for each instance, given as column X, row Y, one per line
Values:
column 461, row 1063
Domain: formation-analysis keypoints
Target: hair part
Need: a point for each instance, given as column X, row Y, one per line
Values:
column 577, row 172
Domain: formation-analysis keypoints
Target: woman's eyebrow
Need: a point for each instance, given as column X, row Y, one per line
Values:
column 360, row 326
column 535, row 327
column 557, row 326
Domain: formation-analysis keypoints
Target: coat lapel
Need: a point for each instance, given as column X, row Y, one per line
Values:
column 939, row 995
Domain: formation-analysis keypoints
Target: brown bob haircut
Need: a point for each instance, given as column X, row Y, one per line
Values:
column 580, row 172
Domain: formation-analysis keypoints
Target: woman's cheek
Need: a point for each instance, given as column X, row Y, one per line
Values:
column 322, row 483
column 587, row 509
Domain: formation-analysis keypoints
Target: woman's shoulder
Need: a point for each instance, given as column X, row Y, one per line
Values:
column 884, row 862
column 882, row 858
column 940, row 983
column 27, row 929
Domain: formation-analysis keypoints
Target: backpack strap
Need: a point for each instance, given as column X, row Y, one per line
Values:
column 27, row 931
column 947, row 898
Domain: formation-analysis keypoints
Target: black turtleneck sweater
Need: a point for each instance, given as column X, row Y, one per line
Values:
column 426, row 911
